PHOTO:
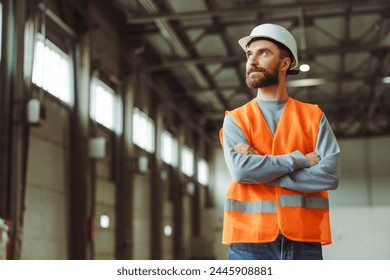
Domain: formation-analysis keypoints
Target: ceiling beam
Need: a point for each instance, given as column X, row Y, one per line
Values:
column 346, row 48
column 311, row 17
column 254, row 10
column 296, row 83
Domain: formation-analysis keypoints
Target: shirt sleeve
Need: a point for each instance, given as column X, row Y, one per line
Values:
column 322, row 176
column 255, row 168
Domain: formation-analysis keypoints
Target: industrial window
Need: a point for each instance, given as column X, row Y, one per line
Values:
column 143, row 131
column 203, row 172
column 187, row 161
column 105, row 106
column 52, row 70
column 169, row 148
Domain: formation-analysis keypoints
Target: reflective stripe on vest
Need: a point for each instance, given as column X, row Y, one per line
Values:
column 250, row 207
column 309, row 202
column 253, row 207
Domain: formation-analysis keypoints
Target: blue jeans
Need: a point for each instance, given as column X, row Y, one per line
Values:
column 280, row 249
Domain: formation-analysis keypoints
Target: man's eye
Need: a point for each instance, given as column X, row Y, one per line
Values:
column 263, row 53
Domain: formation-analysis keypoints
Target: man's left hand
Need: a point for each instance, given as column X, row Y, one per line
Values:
column 245, row 149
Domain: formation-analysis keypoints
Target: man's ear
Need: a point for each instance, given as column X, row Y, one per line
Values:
column 286, row 62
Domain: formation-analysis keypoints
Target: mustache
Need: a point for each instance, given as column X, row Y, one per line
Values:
column 255, row 69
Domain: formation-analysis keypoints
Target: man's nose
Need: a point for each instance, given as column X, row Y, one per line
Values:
column 253, row 60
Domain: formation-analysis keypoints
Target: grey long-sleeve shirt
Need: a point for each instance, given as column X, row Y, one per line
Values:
column 289, row 171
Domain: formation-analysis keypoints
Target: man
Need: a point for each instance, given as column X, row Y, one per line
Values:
column 282, row 156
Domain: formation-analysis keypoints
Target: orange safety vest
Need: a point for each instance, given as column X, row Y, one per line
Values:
column 257, row 213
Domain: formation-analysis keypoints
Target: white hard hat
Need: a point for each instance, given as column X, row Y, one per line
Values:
column 276, row 33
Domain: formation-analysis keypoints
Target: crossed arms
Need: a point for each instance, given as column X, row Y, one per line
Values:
column 313, row 172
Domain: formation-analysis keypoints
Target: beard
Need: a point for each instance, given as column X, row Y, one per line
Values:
column 267, row 79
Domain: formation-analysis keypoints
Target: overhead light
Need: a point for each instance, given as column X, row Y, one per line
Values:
column 304, row 67
column 307, row 82
column 386, row 80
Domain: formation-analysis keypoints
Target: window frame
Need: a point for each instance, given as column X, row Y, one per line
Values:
column 174, row 148
column 187, row 156
column 206, row 181
column 142, row 124
column 38, row 79
column 116, row 109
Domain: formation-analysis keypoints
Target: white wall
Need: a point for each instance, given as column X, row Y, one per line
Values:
column 359, row 208
column 46, row 220
column 105, row 205
column 141, row 222
column 359, row 233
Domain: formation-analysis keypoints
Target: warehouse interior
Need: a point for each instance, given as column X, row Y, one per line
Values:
column 110, row 113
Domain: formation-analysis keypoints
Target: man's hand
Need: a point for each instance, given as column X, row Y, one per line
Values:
column 312, row 158
column 245, row 149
